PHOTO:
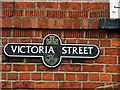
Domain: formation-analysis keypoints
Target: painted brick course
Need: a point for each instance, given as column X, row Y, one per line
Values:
column 73, row 23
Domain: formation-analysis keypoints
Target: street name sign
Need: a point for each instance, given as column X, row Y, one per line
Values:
column 115, row 9
column 51, row 50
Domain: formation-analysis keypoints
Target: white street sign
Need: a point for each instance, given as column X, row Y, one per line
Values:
column 114, row 9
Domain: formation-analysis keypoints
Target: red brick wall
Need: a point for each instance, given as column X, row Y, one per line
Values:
column 55, row 15
column 32, row 21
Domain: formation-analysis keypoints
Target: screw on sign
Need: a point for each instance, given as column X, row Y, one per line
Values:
column 51, row 50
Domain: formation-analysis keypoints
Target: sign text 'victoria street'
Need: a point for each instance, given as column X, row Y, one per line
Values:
column 51, row 50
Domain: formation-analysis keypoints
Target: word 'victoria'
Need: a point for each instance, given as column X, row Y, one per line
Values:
column 51, row 50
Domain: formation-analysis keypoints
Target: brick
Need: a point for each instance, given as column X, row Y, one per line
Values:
column 47, row 76
column 106, row 59
column 25, row 40
column 92, row 85
column 12, row 76
column 22, row 33
column 92, row 68
column 7, row 4
column 82, row 41
column 68, row 24
column 1, row 67
column 73, row 34
column 115, row 77
column 14, row 40
column 36, row 76
column 7, row 12
column 45, row 5
column 51, row 23
column 85, row 23
column 118, row 60
column 94, row 24
column 105, row 43
column 81, row 77
column 6, row 33
column 8, row 22
column 64, row 60
column 102, row 50
column 60, row 23
column 23, row 85
column 99, row 14
column 44, row 33
column 96, row 42
column 56, row 14
column 70, row 85
column 4, row 41
column 24, row 76
column 14, row 60
column 34, row 23
column 70, row 67
column 1, row 54
column 116, row 43
column 18, row 13
column 70, row 76
column 95, row 34
column 25, row 5
column 36, row 33
column 82, row 61
column 112, row 51
column 3, row 60
column 6, row 67
column 76, row 24
column 93, row 6
column 23, row 67
column 0, row 4
column 36, row 40
column 29, row 33
column 25, row 22
column 35, row 13
column 107, row 6
column 47, row 85
column 113, row 35
column 93, row 77
column 44, row 68
column 3, row 22
column 116, row 87
column 33, row 60
column 112, row 68
column 105, row 77
column 71, row 41
column 3, row 76
column 70, row 6
column 76, row 14
column 43, row 23
column 17, row 22
column 6, row 85
column 58, row 76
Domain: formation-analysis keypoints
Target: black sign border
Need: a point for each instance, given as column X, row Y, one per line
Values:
column 60, row 56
